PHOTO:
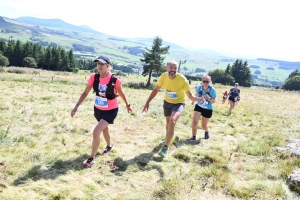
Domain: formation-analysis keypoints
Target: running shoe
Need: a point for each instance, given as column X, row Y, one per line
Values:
column 90, row 161
column 107, row 150
column 163, row 152
column 206, row 135
column 193, row 138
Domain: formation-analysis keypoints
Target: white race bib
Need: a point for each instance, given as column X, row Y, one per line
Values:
column 101, row 102
column 172, row 95
column 203, row 105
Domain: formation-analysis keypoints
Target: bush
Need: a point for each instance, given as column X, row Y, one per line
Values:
column 257, row 72
column 16, row 71
column 29, row 62
column 76, row 70
column 2, row 70
column 277, row 87
column 4, row 61
column 140, row 85
column 292, row 83
column 35, row 72
column 254, row 66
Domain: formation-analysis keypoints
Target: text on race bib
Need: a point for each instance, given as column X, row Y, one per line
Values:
column 101, row 102
column 172, row 95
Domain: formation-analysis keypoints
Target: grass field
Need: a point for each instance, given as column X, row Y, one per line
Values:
column 42, row 148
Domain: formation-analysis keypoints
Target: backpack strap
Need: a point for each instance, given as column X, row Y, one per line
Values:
column 96, row 84
column 208, row 89
column 111, row 84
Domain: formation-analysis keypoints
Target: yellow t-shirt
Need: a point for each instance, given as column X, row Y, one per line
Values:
column 175, row 88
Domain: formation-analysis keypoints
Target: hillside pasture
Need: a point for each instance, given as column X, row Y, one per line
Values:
column 42, row 148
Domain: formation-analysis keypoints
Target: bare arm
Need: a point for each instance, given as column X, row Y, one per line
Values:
column 123, row 97
column 151, row 96
column 192, row 97
column 81, row 99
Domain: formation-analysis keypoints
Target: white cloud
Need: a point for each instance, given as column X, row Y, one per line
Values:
column 268, row 28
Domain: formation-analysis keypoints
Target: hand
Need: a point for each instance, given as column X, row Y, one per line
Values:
column 146, row 107
column 202, row 99
column 73, row 111
column 129, row 109
column 207, row 96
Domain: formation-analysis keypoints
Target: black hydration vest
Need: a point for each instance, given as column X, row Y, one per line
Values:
column 109, row 93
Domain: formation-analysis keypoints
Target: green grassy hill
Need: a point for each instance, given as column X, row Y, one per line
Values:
column 127, row 50
column 42, row 148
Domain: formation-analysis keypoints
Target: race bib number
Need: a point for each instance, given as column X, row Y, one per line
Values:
column 172, row 95
column 202, row 104
column 101, row 102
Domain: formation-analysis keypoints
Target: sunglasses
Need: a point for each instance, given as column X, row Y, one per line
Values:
column 99, row 63
column 205, row 81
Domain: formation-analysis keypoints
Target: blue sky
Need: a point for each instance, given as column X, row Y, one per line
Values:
column 250, row 28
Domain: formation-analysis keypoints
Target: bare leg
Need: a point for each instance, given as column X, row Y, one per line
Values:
column 167, row 125
column 232, row 104
column 196, row 117
column 204, row 123
column 107, row 136
column 96, row 136
column 171, row 127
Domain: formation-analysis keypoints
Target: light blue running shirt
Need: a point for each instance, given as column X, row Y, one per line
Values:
column 212, row 93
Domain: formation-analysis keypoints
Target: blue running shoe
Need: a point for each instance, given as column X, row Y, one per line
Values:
column 163, row 152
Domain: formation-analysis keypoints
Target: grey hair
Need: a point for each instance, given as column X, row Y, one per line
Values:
column 172, row 62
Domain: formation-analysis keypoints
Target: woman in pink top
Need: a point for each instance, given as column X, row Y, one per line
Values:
column 105, row 109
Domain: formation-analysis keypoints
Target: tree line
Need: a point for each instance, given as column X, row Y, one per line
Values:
column 54, row 58
column 239, row 72
column 29, row 54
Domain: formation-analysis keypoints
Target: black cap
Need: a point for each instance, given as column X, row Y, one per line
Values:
column 103, row 59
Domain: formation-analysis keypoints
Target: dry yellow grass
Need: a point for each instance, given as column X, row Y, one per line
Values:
column 42, row 148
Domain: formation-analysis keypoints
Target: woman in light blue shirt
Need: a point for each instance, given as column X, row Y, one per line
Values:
column 203, row 108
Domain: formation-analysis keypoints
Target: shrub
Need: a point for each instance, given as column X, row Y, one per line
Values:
column 16, row 71
column 257, row 72
column 254, row 66
column 140, row 85
column 2, row 70
column 35, row 72
column 4, row 61
column 29, row 62
column 76, row 70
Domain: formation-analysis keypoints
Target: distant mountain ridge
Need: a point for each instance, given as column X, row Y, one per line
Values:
column 57, row 23
column 88, row 43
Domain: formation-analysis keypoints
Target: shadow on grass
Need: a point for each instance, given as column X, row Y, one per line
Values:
column 226, row 114
column 57, row 169
column 180, row 142
column 119, row 165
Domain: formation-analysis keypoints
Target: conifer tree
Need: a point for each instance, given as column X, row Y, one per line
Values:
column 153, row 58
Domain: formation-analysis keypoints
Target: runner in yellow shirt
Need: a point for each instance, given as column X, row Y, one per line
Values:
column 176, row 86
